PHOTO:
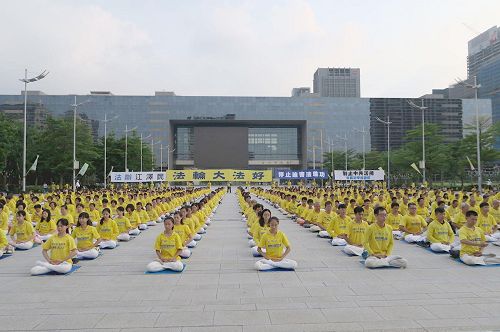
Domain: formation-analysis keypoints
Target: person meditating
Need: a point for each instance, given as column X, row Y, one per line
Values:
column 439, row 233
column 62, row 249
column 168, row 247
column 274, row 241
column 473, row 243
column 379, row 243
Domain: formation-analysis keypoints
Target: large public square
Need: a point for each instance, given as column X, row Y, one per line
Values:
column 219, row 290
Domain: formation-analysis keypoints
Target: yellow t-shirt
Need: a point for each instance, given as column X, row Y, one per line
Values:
column 3, row 241
column 495, row 214
column 183, row 231
column 486, row 223
column 85, row 238
column 414, row 224
column 68, row 217
column 274, row 244
column 168, row 245
column 4, row 220
column 339, row 226
column 94, row 215
column 60, row 247
column 325, row 219
column 356, row 232
column 133, row 218
column 439, row 233
column 23, row 232
column 394, row 221
column 123, row 224
column 476, row 235
column 46, row 227
column 108, row 230
column 379, row 240
column 459, row 219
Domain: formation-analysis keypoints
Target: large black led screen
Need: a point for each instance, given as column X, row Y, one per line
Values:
column 221, row 147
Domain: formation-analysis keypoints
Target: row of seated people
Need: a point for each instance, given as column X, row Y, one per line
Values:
column 88, row 240
column 353, row 233
column 266, row 240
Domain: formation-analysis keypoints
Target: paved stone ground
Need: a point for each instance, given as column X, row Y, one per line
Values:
column 220, row 291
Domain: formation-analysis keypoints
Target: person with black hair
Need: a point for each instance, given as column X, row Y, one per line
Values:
column 487, row 223
column 45, row 228
column 259, row 229
column 4, row 219
column 356, row 233
column 413, row 225
column 439, row 233
column 124, row 227
column 168, row 247
column 277, row 247
column 473, row 242
column 87, row 238
column 108, row 230
column 185, row 234
column 339, row 228
column 62, row 249
column 133, row 218
column 379, row 243
column 22, row 233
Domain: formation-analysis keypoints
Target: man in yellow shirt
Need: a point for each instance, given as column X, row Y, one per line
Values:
column 379, row 242
column 339, row 228
column 314, row 218
column 356, row 234
column 394, row 220
column 439, row 233
column 487, row 223
column 413, row 225
column 473, row 243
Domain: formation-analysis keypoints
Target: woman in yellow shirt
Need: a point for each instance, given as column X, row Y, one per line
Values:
column 5, row 248
column 87, row 238
column 168, row 247
column 274, row 241
column 258, row 229
column 21, row 233
column 153, row 215
column 185, row 234
column 62, row 249
column 133, row 218
column 108, row 230
column 45, row 228
column 123, row 224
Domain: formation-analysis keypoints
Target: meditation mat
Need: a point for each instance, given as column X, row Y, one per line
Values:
column 167, row 271
column 488, row 265
column 5, row 256
column 278, row 269
column 53, row 273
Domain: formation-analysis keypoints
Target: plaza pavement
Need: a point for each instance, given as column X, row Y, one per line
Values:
column 220, row 291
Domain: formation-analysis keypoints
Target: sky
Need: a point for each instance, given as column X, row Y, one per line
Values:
column 404, row 48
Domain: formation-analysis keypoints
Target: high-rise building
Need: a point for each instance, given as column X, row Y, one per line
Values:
column 483, row 49
column 302, row 91
column 483, row 62
column 337, row 82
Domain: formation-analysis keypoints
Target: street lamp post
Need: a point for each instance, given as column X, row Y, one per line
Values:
column 345, row 147
column 106, row 120
column 476, row 87
column 388, row 123
column 126, row 145
column 27, row 80
column 422, row 109
column 75, row 106
column 141, row 146
column 363, row 132
column 169, row 151
column 152, row 154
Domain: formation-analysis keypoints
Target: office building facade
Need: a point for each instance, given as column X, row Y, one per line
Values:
column 337, row 82
column 321, row 121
